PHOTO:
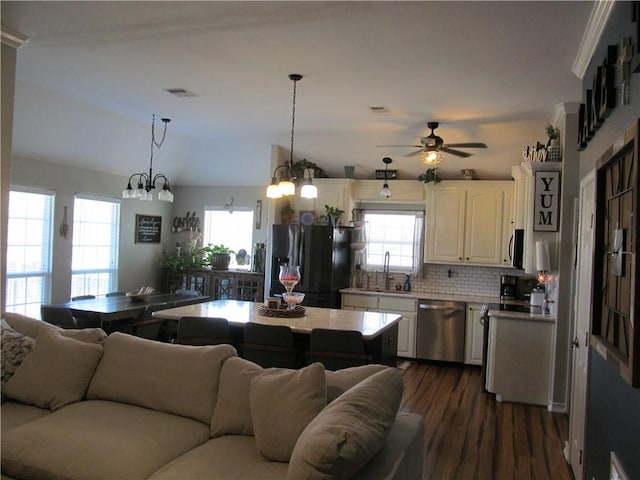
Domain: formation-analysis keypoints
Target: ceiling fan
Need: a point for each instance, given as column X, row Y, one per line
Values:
column 432, row 147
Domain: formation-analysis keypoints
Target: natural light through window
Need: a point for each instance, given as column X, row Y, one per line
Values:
column 233, row 230
column 29, row 251
column 398, row 233
column 94, row 262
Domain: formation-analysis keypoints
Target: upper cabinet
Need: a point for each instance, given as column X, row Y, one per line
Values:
column 335, row 192
column 466, row 222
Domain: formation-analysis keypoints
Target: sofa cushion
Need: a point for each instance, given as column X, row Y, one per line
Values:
column 99, row 439
column 14, row 347
column 32, row 326
column 232, row 414
column 282, row 403
column 55, row 373
column 14, row 414
column 232, row 457
column 178, row 379
column 349, row 431
column 339, row 381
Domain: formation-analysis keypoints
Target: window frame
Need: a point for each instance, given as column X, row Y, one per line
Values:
column 208, row 228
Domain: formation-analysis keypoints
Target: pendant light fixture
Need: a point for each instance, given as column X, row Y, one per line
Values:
column 147, row 182
column 286, row 186
column 386, row 191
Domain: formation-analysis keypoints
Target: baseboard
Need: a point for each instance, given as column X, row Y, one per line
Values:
column 557, row 407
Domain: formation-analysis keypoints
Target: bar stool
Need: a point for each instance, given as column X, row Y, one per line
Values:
column 337, row 349
column 203, row 331
column 270, row 346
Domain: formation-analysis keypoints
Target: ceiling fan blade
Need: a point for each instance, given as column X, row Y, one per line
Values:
column 459, row 153
column 467, row 145
column 384, row 146
column 413, row 153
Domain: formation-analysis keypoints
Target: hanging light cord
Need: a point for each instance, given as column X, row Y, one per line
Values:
column 293, row 121
column 157, row 144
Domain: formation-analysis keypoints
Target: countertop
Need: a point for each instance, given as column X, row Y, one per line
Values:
column 425, row 295
column 370, row 324
column 493, row 312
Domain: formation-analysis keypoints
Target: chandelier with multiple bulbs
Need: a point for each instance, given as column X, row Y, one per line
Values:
column 147, row 181
column 282, row 182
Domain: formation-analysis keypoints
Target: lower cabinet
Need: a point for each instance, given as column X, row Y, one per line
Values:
column 220, row 284
column 407, row 307
column 474, row 335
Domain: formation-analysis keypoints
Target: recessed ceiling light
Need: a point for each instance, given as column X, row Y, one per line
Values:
column 378, row 109
column 180, row 92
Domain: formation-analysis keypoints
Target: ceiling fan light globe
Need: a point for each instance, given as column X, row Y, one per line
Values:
column 431, row 157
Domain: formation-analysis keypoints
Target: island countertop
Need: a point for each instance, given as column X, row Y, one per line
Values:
column 370, row 324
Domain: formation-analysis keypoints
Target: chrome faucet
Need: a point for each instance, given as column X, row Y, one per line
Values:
column 385, row 270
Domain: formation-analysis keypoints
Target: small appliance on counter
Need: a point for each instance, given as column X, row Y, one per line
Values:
column 537, row 297
column 508, row 287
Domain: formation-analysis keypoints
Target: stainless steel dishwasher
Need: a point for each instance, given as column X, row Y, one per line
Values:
column 441, row 330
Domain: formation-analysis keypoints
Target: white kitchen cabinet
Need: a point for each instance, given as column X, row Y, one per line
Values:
column 520, row 358
column 445, row 225
column 335, row 192
column 465, row 222
column 407, row 307
column 474, row 335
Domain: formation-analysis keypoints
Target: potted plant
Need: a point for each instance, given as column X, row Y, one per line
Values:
column 554, row 152
column 333, row 214
column 431, row 175
column 217, row 256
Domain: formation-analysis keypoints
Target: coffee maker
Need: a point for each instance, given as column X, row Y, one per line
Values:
column 508, row 287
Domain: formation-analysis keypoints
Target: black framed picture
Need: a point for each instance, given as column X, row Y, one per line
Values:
column 148, row 228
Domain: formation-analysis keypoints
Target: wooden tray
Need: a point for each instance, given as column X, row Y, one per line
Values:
column 282, row 312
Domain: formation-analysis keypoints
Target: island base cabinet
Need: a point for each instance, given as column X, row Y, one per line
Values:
column 519, row 360
column 474, row 335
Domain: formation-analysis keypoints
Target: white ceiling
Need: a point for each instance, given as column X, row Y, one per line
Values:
column 92, row 73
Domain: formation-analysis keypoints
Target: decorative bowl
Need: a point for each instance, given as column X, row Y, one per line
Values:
column 140, row 294
column 293, row 298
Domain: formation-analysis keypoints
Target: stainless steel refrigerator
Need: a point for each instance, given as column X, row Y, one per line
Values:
column 324, row 256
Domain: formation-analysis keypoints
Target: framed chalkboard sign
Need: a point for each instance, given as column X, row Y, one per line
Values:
column 148, row 228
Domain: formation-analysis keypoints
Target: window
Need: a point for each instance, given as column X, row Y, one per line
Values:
column 94, row 260
column 398, row 232
column 29, row 242
column 234, row 229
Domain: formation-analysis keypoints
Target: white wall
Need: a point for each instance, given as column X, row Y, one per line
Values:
column 139, row 264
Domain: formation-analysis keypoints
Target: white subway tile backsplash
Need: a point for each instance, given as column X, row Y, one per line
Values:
column 461, row 279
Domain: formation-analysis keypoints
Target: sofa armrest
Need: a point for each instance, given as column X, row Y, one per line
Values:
column 401, row 456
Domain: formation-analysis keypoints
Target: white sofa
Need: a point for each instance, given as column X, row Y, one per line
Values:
column 78, row 404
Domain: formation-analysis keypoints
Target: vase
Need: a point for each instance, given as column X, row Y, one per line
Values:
column 220, row 261
column 554, row 153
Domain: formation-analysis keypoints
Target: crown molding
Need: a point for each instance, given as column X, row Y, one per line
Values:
column 11, row 38
column 561, row 110
column 595, row 26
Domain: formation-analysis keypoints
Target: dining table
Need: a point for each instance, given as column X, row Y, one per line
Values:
column 108, row 310
column 379, row 329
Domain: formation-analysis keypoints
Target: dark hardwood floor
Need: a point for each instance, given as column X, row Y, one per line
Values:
column 469, row 435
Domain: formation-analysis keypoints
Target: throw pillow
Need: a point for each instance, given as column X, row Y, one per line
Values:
column 282, row 403
column 56, row 373
column 14, row 348
column 339, row 381
column 349, row 431
column 232, row 414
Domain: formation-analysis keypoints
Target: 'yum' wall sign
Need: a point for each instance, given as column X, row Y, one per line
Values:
column 546, row 205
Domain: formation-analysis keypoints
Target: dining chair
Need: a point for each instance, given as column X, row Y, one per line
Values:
column 147, row 326
column 116, row 294
column 337, row 349
column 82, row 297
column 270, row 346
column 62, row 317
column 203, row 331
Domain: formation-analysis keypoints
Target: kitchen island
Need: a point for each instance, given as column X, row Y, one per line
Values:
column 379, row 329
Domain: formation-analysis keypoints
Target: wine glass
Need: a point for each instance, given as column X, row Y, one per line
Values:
column 289, row 277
